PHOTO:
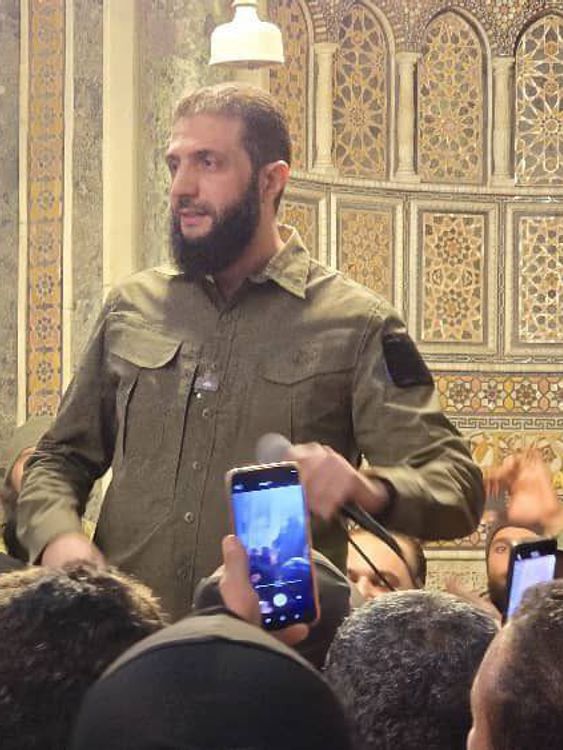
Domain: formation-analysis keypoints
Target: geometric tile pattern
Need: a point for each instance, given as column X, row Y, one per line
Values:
column 360, row 103
column 540, row 279
column 304, row 217
column 365, row 242
column 452, row 280
column 288, row 82
column 490, row 393
column 539, row 104
column 45, row 204
column 450, row 102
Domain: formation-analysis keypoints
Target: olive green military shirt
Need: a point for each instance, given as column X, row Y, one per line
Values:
column 177, row 385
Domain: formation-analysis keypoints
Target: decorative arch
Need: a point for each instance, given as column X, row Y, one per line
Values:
column 361, row 111
column 289, row 83
column 451, row 101
column 539, row 103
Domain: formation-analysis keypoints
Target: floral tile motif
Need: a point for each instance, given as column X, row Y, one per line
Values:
column 540, row 279
column 45, row 204
column 360, row 116
column 453, row 257
column 288, row 83
column 501, row 394
column 365, row 247
column 450, row 96
column 539, row 104
column 302, row 216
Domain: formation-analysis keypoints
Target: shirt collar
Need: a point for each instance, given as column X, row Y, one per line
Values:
column 288, row 268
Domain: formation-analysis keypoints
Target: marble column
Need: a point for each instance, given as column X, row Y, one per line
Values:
column 406, row 116
column 503, row 79
column 324, row 55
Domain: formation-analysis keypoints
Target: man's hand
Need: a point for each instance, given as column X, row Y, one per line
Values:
column 532, row 499
column 240, row 597
column 330, row 481
column 71, row 547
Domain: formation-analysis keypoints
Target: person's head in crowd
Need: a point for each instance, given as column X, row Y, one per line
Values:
column 517, row 696
column 387, row 561
column 500, row 538
column 403, row 665
column 211, row 681
column 18, row 449
column 334, row 600
column 228, row 158
column 59, row 630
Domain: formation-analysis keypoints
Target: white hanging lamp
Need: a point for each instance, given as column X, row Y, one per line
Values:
column 246, row 41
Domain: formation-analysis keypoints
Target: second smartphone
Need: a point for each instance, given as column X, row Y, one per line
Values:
column 271, row 519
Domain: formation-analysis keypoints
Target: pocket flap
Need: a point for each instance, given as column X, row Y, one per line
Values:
column 335, row 354
column 138, row 344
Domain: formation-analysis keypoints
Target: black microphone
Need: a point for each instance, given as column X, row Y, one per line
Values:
column 272, row 448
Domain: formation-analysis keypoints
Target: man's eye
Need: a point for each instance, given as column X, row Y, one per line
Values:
column 209, row 162
column 172, row 167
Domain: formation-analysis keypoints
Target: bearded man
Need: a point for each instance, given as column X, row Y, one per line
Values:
column 244, row 334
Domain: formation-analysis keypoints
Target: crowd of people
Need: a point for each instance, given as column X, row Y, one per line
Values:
column 132, row 638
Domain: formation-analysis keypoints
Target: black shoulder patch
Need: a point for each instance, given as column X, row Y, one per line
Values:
column 404, row 362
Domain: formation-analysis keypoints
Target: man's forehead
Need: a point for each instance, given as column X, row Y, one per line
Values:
column 509, row 534
column 212, row 128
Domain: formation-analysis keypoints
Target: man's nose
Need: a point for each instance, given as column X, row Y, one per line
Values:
column 184, row 182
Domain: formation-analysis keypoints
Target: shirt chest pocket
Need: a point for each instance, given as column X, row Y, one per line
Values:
column 312, row 384
column 155, row 375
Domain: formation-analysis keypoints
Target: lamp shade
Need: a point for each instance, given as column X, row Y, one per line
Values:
column 246, row 41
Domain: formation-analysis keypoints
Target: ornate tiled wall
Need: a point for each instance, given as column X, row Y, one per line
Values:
column 9, row 235
column 445, row 194
column 45, row 158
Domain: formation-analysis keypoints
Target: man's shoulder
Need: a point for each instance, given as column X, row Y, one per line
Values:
column 344, row 292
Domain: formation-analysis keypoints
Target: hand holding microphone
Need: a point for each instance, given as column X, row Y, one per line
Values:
column 330, row 482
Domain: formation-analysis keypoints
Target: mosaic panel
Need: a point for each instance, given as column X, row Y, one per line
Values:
column 450, row 102
column 360, row 116
column 540, row 279
column 302, row 216
column 539, row 104
column 288, row 83
column 501, row 394
column 365, row 246
column 502, row 20
column 45, row 204
column 469, row 574
column 452, row 278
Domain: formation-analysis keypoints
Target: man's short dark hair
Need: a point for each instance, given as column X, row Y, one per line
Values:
column 526, row 706
column 59, row 630
column 265, row 135
column 403, row 665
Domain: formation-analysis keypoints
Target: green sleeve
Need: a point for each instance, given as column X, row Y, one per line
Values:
column 409, row 443
column 73, row 453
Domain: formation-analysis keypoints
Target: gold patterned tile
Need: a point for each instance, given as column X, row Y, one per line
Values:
column 450, row 102
column 365, row 248
column 360, row 104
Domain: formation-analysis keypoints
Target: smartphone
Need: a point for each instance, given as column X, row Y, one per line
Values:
column 271, row 518
column 530, row 563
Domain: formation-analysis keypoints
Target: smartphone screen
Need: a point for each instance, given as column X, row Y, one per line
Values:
column 271, row 520
column 530, row 563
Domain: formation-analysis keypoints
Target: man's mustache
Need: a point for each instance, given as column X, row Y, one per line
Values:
column 185, row 202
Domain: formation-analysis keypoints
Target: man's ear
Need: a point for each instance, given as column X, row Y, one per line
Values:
column 273, row 179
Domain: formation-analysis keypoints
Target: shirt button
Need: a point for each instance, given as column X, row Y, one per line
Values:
column 206, row 413
column 196, row 466
column 213, row 366
column 189, row 517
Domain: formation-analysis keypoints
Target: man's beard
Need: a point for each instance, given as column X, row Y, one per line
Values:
column 231, row 232
column 498, row 594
